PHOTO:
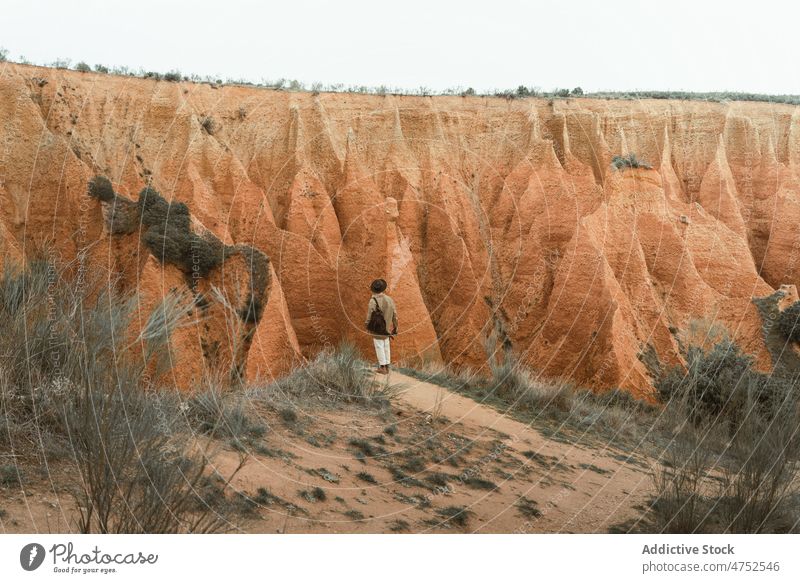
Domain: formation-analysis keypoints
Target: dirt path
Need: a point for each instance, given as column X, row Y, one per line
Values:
column 585, row 488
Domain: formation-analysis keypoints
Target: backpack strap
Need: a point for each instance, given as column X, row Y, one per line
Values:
column 377, row 305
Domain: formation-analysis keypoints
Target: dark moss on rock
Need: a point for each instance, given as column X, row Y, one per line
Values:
column 100, row 188
column 156, row 213
column 166, row 230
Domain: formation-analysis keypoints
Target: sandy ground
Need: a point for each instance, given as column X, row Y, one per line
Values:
column 436, row 456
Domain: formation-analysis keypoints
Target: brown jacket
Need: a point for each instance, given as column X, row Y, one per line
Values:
column 389, row 314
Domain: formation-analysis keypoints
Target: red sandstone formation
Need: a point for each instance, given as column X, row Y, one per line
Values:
column 479, row 212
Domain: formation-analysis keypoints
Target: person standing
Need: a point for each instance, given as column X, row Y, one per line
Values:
column 380, row 312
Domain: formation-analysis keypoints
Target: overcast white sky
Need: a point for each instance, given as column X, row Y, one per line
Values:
column 609, row 45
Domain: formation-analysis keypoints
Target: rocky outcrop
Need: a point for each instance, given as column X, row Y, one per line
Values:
column 479, row 212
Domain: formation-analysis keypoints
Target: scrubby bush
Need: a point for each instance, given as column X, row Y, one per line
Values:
column 137, row 473
column 82, row 67
column 629, row 161
column 3, row 55
column 101, row 69
column 744, row 482
column 173, row 76
column 516, row 384
column 10, row 476
column 455, row 515
column 186, row 250
column 208, row 124
column 523, row 91
column 168, row 235
column 789, row 322
column 717, row 383
column 219, row 414
column 732, row 462
column 680, row 505
column 101, row 188
column 72, row 382
column 334, row 376
column 155, row 211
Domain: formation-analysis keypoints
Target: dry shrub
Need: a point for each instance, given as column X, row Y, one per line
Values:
column 437, row 373
column 222, row 414
column 208, row 124
column 519, row 386
column 71, row 383
column 733, row 464
column 682, row 482
column 334, row 376
column 789, row 322
column 761, row 479
column 137, row 474
column 520, row 389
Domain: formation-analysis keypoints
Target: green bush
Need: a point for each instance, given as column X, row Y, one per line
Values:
column 168, row 235
column 789, row 322
column 713, row 383
column 155, row 211
column 82, row 67
column 208, row 124
column 101, row 188
column 629, row 161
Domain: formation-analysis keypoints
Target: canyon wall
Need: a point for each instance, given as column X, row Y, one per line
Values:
column 484, row 215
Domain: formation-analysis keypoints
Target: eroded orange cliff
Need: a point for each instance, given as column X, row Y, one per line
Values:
column 479, row 212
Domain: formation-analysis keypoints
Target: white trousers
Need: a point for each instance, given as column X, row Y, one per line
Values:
column 383, row 350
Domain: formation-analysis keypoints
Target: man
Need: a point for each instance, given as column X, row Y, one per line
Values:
column 381, row 311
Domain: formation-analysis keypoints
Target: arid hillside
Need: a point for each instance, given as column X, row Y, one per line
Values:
column 483, row 214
